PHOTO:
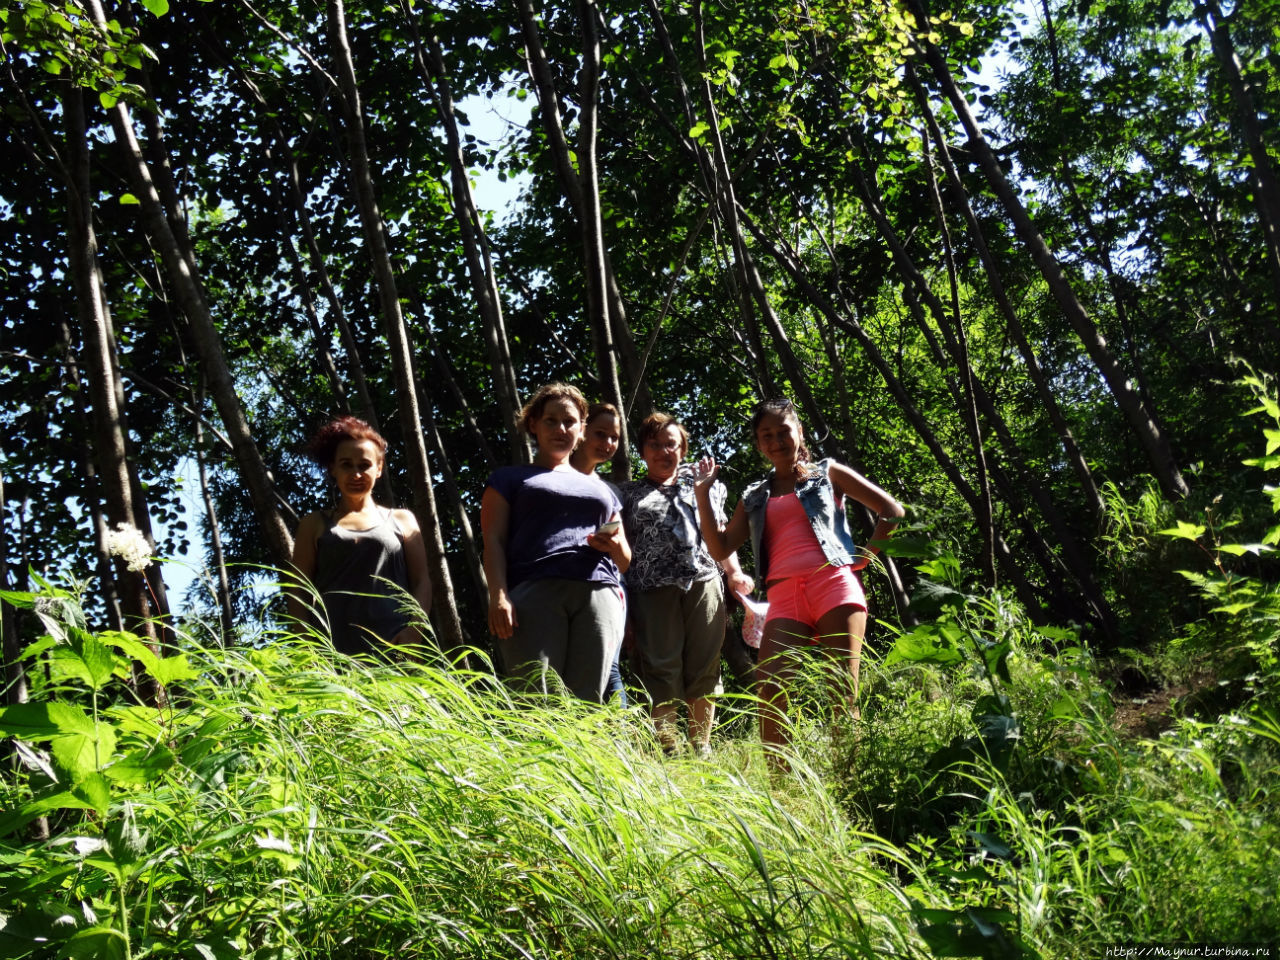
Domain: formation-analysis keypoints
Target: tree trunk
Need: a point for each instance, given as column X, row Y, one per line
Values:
column 986, row 518
column 223, row 582
column 1043, row 390
column 1266, row 192
column 180, row 265
column 606, row 313
column 98, row 337
column 484, row 282
column 444, row 610
column 1144, row 427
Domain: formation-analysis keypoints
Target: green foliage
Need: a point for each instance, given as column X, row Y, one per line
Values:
column 1242, row 634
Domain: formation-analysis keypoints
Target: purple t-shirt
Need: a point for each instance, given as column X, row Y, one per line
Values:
column 552, row 514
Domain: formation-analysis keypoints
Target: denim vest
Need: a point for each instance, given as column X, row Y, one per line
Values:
column 818, row 497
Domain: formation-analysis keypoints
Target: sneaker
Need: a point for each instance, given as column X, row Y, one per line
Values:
column 702, row 751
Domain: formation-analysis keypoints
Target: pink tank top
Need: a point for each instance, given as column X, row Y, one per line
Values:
column 794, row 550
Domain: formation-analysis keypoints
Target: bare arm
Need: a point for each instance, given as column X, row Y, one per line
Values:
column 721, row 541
column 888, row 511
column 298, row 596
column 495, row 519
column 415, row 555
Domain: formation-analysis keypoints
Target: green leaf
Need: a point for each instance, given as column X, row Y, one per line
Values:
column 157, row 7
column 172, row 669
column 129, row 200
column 1240, row 549
column 95, row 791
column 108, row 99
column 1184, row 531
column 697, row 130
column 83, row 754
column 99, row 661
column 43, row 721
column 142, row 766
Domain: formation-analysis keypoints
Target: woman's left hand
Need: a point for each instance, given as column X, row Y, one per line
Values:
column 610, row 543
column 861, row 561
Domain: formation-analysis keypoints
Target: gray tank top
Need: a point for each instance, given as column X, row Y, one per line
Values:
column 351, row 566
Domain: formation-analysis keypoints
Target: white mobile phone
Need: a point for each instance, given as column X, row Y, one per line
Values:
column 609, row 527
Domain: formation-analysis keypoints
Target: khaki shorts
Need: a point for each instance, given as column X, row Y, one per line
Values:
column 679, row 634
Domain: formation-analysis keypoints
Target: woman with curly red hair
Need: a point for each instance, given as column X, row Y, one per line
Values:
column 356, row 554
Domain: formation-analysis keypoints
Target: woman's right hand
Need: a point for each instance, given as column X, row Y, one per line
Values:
column 704, row 473
column 502, row 615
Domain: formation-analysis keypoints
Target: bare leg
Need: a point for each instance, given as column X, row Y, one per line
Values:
column 702, row 713
column 840, row 631
column 781, row 637
column 665, row 722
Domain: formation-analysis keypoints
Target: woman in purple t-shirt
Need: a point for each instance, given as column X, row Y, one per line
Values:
column 554, row 552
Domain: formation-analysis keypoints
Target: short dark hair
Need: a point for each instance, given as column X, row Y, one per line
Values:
column 655, row 423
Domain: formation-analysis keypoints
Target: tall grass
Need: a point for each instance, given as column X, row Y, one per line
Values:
column 290, row 802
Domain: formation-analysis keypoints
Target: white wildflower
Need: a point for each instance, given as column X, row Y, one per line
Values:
column 128, row 543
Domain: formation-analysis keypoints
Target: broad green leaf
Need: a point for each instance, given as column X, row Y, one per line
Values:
column 108, row 99
column 172, row 669
column 99, row 661
column 42, row 721
column 82, row 754
column 1240, row 549
column 129, row 200
column 158, row 7
column 1184, row 531
column 95, row 791
column 131, row 645
column 142, row 766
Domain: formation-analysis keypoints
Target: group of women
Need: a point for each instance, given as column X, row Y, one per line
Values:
column 573, row 562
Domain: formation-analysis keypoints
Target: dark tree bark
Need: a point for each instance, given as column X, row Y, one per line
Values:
column 444, row 610
column 484, row 281
column 1014, row 325
column 178, row 256
column 100, row 367
column 1144, row 426
column 1266, row 193
column 606, row 312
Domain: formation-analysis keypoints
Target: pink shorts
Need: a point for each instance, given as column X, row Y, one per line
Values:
column 807, row 598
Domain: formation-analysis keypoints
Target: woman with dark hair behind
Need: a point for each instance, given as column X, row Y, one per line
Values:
column 602, row 434
column 354, row 553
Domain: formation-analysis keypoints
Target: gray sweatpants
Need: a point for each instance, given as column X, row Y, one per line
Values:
column 573, row 627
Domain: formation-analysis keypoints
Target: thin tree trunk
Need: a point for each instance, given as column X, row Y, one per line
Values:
column 444, row 610
column 606, row 312
column 986, row 518
column 89, row 477
column 223, row 582
column 180, row 265
column 1153, row 441
column 484, row 282
column 1043, row 390
column 1266, row 192
column 98, row 338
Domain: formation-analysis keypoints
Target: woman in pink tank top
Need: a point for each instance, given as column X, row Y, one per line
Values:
column 805, row 555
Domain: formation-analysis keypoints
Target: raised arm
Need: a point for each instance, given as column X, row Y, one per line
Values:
column 495, row 518
column 721, row 542
column 888, row 511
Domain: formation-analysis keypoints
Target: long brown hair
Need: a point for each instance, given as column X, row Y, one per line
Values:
column 786, row 410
